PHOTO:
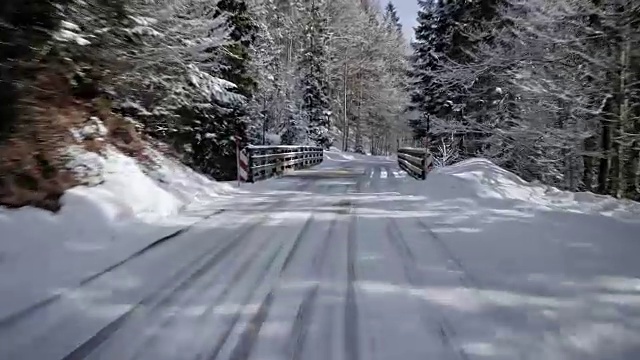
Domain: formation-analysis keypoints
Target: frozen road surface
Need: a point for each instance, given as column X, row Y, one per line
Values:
column 356, row 261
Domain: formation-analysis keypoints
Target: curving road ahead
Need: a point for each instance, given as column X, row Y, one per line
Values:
column 355, row 262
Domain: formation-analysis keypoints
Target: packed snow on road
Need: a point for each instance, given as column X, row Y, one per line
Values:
column 349, row 260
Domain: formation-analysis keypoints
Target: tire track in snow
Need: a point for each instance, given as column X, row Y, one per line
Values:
column 390, row 173
column 304, row 315
column 409, row 262
column 246, row 336
column 393, row 180
column 237, row 275
column 301, row 323
column 156, row 299
column 466, row 278
column 351, row 326
column 445, row 329
column 244, row 346
column 296, row 243
column 149, row 302
column 30, row 310
column 360, row 181
column 323, row 248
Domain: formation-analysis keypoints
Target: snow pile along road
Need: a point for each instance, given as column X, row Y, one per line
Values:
column 336, row 155
column 186, row 185
column 545, row 273
column 483, row 180
column 125, row 207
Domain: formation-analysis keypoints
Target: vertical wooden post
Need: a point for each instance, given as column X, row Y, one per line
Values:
column 237, row 139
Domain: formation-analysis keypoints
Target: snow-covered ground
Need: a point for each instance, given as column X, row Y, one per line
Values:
column 350, row 260
column 336, row 155
column 553, row 274
column 126, row 207
column 482, row 180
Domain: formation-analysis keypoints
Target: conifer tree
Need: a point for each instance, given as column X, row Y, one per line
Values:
column 391, row 18
column 315, row 104
column 429, row 47
column 234, row 67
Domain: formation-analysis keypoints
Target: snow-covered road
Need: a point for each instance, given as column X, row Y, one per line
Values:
column 355, row 261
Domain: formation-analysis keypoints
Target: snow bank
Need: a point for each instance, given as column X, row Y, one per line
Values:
column 337, row 159
column 123, row 207
column 273, row 139
column 333, row 154
column 122, row 188
column 188, row 186
column 125, row 191
column 485, row 180
column 120, row 196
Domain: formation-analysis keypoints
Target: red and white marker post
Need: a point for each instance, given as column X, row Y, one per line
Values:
column 242, row 162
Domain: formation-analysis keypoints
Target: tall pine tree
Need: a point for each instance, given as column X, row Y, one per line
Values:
column 234, row 67
column 391, row 17
column 313, row 76
column 447, row 88
column 429, row 47
column 243, row 32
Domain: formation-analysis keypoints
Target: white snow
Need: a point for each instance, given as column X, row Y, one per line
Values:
column 135, row 106
column 143, row 21
column 474, row 262
column 122, row 189
column 93, row 129
column 337, row 156
column 122, row 207
column 273, row 139
column 485, row 180
column 64, row 35
column 87, row 166
column 188, row 186
column 69, row 26
column 545, row 264
column 334, row 154
column 210, row 86
column 159, row 189
column 145, row 31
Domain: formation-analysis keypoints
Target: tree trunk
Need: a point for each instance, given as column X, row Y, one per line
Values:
column 587, row 174
column 605, row 145
column 359, row 147
column 622, row 98
column 628, row 154
column 345, row 130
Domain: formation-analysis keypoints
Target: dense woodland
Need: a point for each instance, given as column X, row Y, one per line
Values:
column 196, row 73
column 549, row 89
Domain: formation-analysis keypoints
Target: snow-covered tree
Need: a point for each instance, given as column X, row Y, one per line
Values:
column 358, row 73
column 315, row 104
column 162, row 63
column 544, row 88
column 391, row 18
column 429, row 46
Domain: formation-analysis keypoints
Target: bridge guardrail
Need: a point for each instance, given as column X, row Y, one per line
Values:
column 262, row 162
column 417, row 162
